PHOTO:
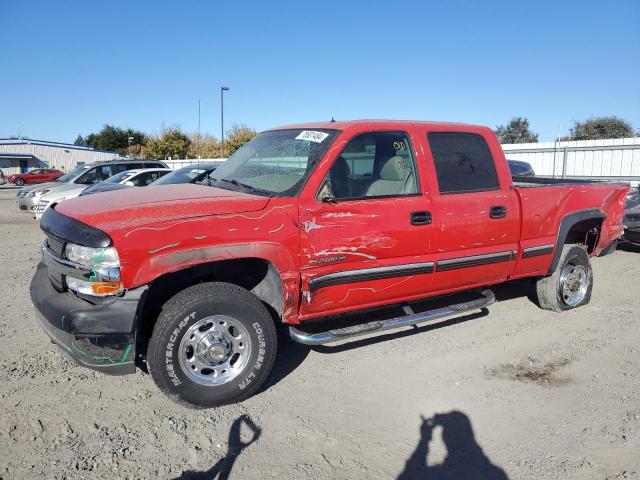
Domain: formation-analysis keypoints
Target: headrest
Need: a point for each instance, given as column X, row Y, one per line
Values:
column 396, row 169
column 340, row 168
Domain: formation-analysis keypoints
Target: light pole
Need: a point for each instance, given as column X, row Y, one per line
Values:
column 130, row 139
column 222, row 90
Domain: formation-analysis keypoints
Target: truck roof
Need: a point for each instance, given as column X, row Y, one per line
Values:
column 345, row 124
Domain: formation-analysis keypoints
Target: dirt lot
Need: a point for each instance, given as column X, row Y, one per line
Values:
column 515, row 393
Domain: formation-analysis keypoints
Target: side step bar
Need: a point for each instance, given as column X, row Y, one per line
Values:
column 377, row 326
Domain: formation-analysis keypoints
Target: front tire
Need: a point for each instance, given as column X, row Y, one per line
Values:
column 570, row 285
column 213, row 344
column 19, row 182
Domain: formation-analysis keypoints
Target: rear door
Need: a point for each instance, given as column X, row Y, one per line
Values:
column 365, row 229
column 476, row 211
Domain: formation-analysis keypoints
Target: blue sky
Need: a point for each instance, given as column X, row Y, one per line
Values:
column 68, row 67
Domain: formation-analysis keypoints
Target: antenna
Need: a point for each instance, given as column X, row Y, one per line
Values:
column 198, row 144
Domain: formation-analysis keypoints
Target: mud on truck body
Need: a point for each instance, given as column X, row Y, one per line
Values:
column 307, row 223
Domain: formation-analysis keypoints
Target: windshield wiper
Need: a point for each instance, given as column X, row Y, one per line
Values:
column 243, row 185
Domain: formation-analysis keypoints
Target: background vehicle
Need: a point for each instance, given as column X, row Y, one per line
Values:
column 304, row 225
column 127, row 179
column 3, row 180
column 189, row 174
column 84, row 175
column 632, row 217
column 37, row 175
column 518, row 168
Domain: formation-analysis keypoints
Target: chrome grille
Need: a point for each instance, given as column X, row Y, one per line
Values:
column 57, row 280
column 55, row 245
column 42, row 206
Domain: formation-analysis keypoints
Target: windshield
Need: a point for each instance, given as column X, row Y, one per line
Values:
column 182, row 175
column 67, row 177
column 119, row 177
column 275, row 163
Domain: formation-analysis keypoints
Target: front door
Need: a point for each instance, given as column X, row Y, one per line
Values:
column 366, row 231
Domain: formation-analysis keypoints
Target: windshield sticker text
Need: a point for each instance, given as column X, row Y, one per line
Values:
column 312, row 136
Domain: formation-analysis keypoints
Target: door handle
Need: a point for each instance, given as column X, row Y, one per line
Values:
column 420, row 218
column 498, row 212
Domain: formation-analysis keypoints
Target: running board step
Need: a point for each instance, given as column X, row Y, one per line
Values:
column 391, row 324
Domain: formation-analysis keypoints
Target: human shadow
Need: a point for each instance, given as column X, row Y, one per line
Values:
column 465, row 458
column 222, row 469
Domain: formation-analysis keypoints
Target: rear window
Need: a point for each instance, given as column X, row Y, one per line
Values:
column 463, row 162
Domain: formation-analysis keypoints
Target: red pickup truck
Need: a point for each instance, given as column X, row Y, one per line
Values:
column 302, row 226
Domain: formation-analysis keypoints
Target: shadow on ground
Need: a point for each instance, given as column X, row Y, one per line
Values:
column 222, row 469
column 465, row 458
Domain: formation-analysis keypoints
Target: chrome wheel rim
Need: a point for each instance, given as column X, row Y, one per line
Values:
column 214, row 350
column 574, row 282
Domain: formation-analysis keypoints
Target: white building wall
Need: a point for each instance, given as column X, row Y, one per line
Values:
column 56, row 155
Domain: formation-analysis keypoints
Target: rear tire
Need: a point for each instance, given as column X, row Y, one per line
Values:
column 570, row 285
column 19, row 182
column 213, row 344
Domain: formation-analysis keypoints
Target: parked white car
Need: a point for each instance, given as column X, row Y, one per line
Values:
column 138, row 177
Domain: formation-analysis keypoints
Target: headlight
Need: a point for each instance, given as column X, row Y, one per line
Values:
column 103, row 277
column 37, row 193
column 93, row 257
column 98, row 289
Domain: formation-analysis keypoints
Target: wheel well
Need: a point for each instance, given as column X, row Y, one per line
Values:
column 586, row 233
column 578, row 228
column 255, row 274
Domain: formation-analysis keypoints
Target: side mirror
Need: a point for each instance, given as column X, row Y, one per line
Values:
column 326, row 195
column 129, row 183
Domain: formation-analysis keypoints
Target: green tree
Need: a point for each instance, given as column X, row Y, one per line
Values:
column 237, row 136
column 601, row 127
column 516, row 131
column 172, row 142
column 205, row 146
column 115, row 139
column 80, row 141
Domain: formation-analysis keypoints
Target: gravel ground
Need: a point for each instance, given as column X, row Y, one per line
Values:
column 515, row 393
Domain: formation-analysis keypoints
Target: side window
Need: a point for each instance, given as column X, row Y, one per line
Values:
column 151, row 177
column 104, row 172
column 89, row 177
column 118, row 168
column 373, row 164
column 463, row 162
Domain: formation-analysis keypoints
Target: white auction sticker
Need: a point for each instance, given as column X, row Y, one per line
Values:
column 312, row 136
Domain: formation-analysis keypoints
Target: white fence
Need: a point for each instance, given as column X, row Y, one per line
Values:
column 612, row 159
column 175, row 164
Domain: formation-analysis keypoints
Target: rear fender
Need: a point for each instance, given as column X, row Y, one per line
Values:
column 566, row 224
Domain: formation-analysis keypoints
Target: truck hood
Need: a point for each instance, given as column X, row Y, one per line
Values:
column 136, row 207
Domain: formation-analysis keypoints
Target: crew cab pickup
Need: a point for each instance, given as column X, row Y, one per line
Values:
column 304, row 226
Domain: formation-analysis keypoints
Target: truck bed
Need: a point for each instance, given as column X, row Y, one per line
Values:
column 533, row 182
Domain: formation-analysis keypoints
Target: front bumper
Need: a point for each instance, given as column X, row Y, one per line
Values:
column 27, row 204
column 99, row 336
